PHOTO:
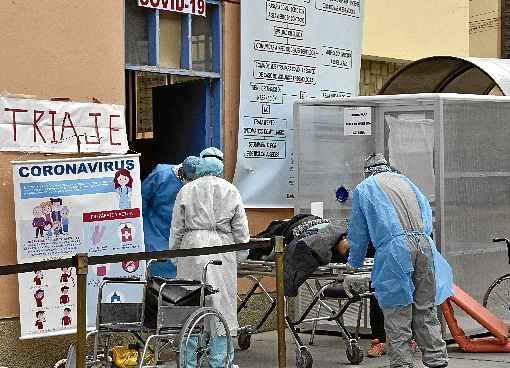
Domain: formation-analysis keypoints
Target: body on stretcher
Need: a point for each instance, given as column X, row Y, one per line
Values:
column 327, row 282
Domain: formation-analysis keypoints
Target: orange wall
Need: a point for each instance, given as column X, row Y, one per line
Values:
column 54, row 48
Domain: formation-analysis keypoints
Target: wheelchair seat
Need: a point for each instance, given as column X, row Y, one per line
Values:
column 176, row 292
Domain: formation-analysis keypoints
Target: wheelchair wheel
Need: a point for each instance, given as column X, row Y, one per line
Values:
column 194, row 340
column 354, row 352
column 244, row 340
column 497, row 298
column 303, row 358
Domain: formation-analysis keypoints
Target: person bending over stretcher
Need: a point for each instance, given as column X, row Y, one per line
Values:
column 409, row 276
column 377, row 347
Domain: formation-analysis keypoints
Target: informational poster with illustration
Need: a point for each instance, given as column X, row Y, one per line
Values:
column 64, row 207
column 290, row 49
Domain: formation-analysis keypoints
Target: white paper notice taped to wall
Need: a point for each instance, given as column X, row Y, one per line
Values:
column 358, row 121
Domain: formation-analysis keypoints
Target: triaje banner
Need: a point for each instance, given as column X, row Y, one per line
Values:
column 64, row 207
column 54, row 126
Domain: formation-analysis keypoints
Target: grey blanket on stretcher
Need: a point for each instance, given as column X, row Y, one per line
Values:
column 304, row 255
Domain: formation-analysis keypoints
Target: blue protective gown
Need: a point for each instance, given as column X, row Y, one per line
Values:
column 374, row 218
column 159, row 191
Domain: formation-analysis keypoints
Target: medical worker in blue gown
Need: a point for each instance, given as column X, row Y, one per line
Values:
column 410, row 277
column 159, row 191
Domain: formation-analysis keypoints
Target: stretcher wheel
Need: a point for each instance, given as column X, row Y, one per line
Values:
column 304, row 358
column 194, row 340
column 354, row 352
column 244, row 340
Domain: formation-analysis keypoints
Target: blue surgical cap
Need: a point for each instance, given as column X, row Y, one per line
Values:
column 212, row 152
column 189, row 167
column 210, row 166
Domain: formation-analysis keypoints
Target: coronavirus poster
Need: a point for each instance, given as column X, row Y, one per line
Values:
column 64, row 207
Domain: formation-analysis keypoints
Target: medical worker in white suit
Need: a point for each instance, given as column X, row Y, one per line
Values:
column 209, row 212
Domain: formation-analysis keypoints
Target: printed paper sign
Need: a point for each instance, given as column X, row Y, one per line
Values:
column 357, row 121
column 61, row 127
column 290, row 49
column 64, row 207
column 195, row 7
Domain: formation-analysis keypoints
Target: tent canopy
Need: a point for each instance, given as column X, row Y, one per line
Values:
column 448, row 74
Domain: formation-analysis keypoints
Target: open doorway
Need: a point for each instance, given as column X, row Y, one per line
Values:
column 169, row 117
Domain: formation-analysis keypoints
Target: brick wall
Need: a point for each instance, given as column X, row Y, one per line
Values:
column 374, row 74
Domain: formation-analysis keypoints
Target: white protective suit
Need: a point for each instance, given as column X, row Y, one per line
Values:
column 209, row 212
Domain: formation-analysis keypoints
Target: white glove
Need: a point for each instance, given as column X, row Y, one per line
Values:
column 356, row 284
column 350, row 268
column 347, row 287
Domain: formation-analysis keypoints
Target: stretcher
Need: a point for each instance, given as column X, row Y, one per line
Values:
column 327, row 282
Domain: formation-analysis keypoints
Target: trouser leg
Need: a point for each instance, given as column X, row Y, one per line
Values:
column 191, row 353
column 426, row 326
column 218, row 353
column 397, row 322
column 377, row 320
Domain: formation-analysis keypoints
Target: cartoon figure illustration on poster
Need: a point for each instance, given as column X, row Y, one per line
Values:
column 66, row 319
column 65, row 219
column 48, row 229
column 56, row 207
column 39, row 296
column 123, row 183
column 39, row 323
column 47, row 209
column 65, row 275
column 64, row 298
column 57, row 228
column 38, row 278
column 38, row 221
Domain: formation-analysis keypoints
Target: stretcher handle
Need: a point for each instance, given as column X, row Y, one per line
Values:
column 498, row 240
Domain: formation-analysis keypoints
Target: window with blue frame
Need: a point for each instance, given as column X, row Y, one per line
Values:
column 165, row 48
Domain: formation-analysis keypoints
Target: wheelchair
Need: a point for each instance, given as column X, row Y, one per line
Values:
column 171, row 317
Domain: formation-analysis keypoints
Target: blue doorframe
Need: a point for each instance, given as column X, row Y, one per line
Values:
column 214, row 113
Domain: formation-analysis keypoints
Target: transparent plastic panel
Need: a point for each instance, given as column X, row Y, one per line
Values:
column 476, row 191
column 410, row 147
column 327, row 159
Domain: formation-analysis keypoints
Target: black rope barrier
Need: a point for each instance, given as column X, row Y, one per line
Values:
column 138, row 256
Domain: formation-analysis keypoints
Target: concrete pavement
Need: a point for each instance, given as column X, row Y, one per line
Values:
column 329, row 351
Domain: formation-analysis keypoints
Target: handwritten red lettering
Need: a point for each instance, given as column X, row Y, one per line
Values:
column 14, row 111
column 36, row 127
column 53, row 138
column 95, row 115
column 67, row 117
column 113, row 130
